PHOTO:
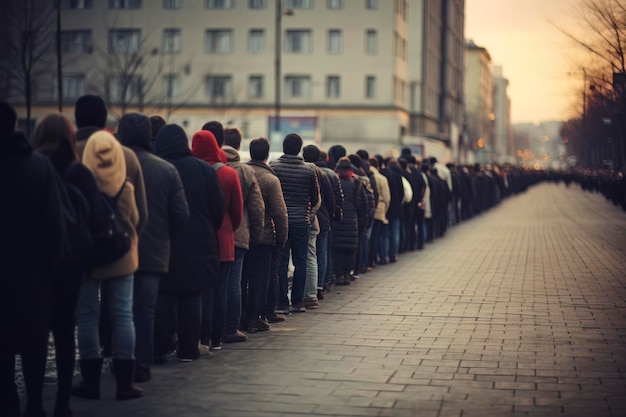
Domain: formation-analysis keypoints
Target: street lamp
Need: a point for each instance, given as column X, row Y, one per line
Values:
column 277, row 62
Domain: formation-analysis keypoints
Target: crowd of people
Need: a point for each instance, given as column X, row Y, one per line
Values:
column 216, row 247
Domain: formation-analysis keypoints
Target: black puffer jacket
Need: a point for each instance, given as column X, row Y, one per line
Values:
column 167, row 203
column 347, row 230
column 300, row 187
column 194, row 260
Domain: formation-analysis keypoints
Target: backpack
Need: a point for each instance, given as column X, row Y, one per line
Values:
column 111, row 240
column 79, row 240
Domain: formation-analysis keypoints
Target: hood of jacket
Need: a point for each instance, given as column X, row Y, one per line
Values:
column 135, row 131
column 171, row 142
column 204, row 146
column 104, row 157
column 231, row 153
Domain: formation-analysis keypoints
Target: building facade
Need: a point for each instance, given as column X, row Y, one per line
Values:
column 363, row 73
column 503, row 139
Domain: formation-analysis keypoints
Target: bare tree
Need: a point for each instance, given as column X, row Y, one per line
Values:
column 601, row 36
column 27, row 49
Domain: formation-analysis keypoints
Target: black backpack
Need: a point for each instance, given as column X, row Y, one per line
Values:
column 111, row 240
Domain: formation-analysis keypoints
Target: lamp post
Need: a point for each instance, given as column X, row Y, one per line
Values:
column 277, row 65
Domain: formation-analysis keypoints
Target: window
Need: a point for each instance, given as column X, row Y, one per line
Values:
column 257, row 4
column 76, row 42
column 73, row 86
column 219, row 41
column 370, row 86
column 124, row 41
column 171, row 85
column 172, row 4
column 255, row 86
column 123, row 88
column 76, row 4
column 256, row 41
column 298, row 41
column 124, row 4
column 371, row 4
column 299, row 4
column 218, row 87
column 335, row 42
column 333, row 87
column 172, row 40
column 298, row 86
column 335, row 4
column 370, row 41
column 219, row 4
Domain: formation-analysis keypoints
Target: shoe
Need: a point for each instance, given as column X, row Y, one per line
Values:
column 311, row 303
column 275, row 318
column 298, row 308
column 124, row 375
column 282, row 309
column 236, row 337
column 142, row 374
column 257, row 325
column 320, row 294
column 89, row 387
column 185, row 360
column 354, row 277
column 216, row 346
column 204, row 350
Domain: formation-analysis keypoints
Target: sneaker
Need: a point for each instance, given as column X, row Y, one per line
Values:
column 216, row 346
column 298, row 308
column 185, row 360
column 320, row 294
column 276, row 318
column 282, row 309
column 311, row 303
column 236, row 337
column 204, row 350
column 354, row 277
column 257, row 325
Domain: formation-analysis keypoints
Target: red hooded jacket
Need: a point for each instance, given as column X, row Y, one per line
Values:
column 204, row 146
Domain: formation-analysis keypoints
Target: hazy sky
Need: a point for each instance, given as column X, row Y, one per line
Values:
column 536, row 57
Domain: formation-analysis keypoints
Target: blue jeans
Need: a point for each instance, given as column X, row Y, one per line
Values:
column 233, row 294
column 310, row 288
column 145, row 293
column 119, row 293
column 297, row 245
column 322, row 258
column 383, row 244
column 365, row 250
column 394, row 238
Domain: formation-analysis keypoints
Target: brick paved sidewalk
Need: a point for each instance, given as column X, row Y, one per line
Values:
column 518, row 312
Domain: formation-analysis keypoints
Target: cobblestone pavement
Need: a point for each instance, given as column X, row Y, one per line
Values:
column 518, row 312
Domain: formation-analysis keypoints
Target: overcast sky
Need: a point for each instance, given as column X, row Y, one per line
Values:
column 535, row 56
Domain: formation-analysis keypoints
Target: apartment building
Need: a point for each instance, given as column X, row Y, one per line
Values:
column 363, row 73
column 503, row 134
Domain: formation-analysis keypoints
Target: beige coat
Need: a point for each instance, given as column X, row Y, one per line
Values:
column 384, row 196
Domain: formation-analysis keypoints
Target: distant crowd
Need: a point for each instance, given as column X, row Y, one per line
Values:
column 149, row 246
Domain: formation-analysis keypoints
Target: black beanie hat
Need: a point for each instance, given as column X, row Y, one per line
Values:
column 8, row 118
column 90, row 110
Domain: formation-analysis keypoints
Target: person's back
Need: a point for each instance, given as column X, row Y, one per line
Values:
column 33, row 230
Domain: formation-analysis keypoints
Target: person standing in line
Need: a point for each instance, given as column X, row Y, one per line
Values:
column 194, row 267
column 205, row 147
column 169, row 212
column 54, row 136
column 346, row 231
column 248, row 232
column 263, row 258
column 380, row 216
column 104, row 157
column 31, row 219
column 301, row 191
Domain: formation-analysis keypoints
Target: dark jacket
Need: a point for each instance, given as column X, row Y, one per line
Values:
column 347, row 230
column 165, row 195
column 276, row 224
column 33, row 231
column 300, row 187
column 133, row 172
column 337, row 190
column 397, row 193
column 194, row 258
column 326, row 212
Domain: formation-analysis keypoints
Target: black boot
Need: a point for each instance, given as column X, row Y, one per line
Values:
column 125, row 375
column 89, row 387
